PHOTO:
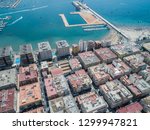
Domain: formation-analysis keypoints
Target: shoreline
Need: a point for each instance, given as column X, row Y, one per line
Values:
column 131, row 31
column 135, row 32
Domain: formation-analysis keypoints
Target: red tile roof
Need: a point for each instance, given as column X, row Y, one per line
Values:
column 132, row 108
column 7, row 100
column 57, row 71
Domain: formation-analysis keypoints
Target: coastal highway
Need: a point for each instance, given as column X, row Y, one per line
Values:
column 82, row 6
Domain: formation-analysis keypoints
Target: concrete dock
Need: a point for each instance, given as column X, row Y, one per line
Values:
column 80, row 6
column 76, row 25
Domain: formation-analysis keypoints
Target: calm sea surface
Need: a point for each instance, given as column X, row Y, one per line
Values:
column 34, row 21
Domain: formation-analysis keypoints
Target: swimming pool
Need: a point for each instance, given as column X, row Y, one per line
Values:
column 17, row 61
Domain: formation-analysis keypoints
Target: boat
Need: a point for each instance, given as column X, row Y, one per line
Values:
column 91, row 26
column 94, row 29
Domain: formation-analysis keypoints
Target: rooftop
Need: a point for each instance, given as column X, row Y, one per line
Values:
column 131, row 86
column 131, row 108
column 56, row 72
column 75, row 64
column 28, row 76
column 91, row 102
column 79, row 81
column 64, row 65
column 30, row 94
column 62, row 43
column 46, row 65
column 8, row 77
column 118, row 68
column 146, row 74
column 61, row 85
column 124, row 49
column 7, row 100
column 115, row 93
column 44, row 46
column 31, row 67
column 88, row 59
column 105, row 54
column 50, row 88
column 99, row 74
column 26, row 49
column 140, row 83
column 6, row 51
column 63, row 105
column 136, row 62
column 146, row 104
column 36, row 110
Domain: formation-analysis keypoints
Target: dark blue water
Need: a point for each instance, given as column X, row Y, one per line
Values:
column 44, row 23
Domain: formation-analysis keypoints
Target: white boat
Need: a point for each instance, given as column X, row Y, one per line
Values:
column 94, row 29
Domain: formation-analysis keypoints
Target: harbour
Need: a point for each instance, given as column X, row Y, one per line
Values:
column 9, row 3
column 83, row 7
column 49, row 25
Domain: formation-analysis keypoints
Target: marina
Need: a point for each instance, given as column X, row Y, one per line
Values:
column 9, row 3
column 86, row 16
column 84, row 8
column 49, row 25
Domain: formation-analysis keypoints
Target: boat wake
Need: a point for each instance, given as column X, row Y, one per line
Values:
column 17, row 20
column 25, row 10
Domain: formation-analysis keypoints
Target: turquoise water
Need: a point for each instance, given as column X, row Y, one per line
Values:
column 40, row 20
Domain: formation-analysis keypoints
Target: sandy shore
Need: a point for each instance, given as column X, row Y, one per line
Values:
column 134, row 33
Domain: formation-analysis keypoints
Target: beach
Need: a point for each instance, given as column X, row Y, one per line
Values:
column 134, row 32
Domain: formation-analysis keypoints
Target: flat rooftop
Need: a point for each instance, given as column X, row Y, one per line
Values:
column 105, row 54
column 75, row 64
column 56, row 72
column 6, row 51
column 62, row 44
column 30, row 94
column 135, row 61
column 88, row 58
column 26, row 49
column 146, row 104
column 8, row 77
column 63, row 105
column 36, row 110
column 124, row 49
column 131, row 108
column 99, row 74
column 79, row 81
column 31, row 67
column 118, row 68
column 140, row 83
column 56, row 86
column 115, row 93
column 7, row 100
column 131, row 86
column 91, row 102
column 44, row 46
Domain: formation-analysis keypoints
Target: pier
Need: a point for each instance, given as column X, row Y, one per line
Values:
column 16, row 3
column 67, row 24
column 10, row 3
column 91, row 22
column 83, row 7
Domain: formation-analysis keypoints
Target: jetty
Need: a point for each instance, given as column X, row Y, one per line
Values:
column 65, row 21
column 15, row 4
column 83, row 7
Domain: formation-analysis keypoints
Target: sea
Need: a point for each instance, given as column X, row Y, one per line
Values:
column 34, row 21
